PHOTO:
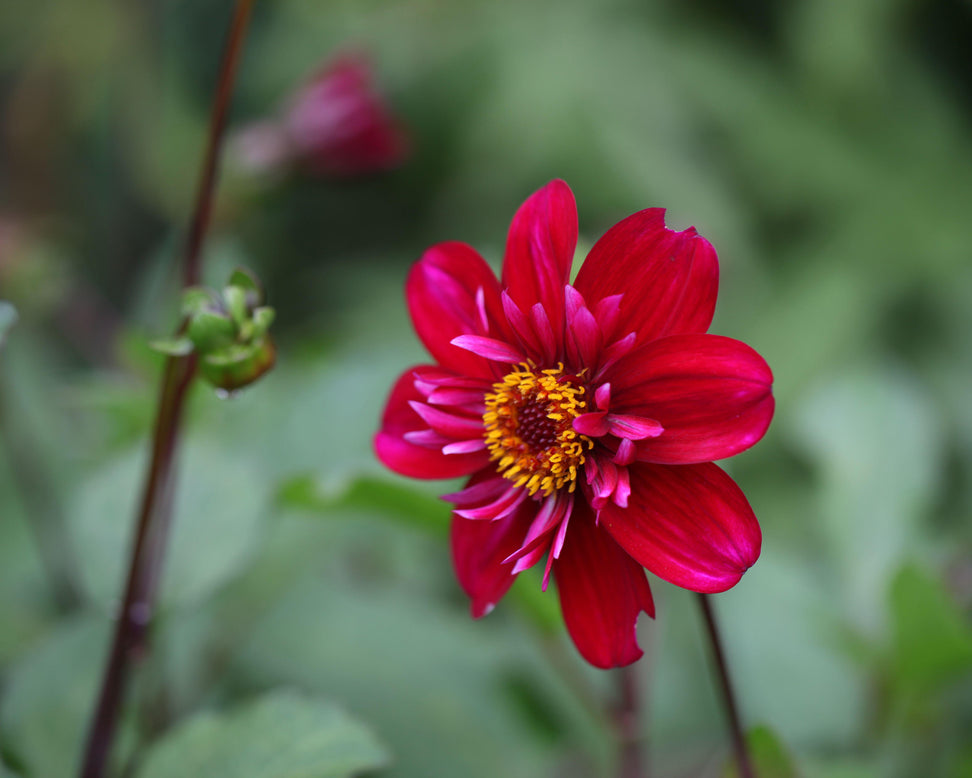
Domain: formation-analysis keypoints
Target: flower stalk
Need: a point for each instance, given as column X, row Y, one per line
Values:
column 628, row 724
column 148, row 550
column 728, row 697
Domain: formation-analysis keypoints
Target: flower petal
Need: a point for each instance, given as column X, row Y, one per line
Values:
column 669, row 279
column 478, row 551
column 602, row 591
column 690, row 525
column 539, row 251
column 406, row 457
column 713, row 396
column 489, row 348
column 442, row 291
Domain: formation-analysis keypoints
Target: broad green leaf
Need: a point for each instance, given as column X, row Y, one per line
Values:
column 395, row 500
column 431, row 680
column 49, row 695
column 932, row 639
column 770, row 757
column 281, row 735
column 875, row 438
column 217, row 515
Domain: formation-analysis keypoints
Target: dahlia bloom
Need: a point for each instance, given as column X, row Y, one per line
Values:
column 586, row 416
column 336, row 124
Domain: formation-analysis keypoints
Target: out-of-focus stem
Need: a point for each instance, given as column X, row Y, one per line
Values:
column 728, row 697
column 627, row 724
column 152, row 529
column 154, row 515
column 217, row 126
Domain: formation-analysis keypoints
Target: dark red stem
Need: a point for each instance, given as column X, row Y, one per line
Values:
column 627, row 724
column 154, row 513
column 728, row 698
column 217, row 125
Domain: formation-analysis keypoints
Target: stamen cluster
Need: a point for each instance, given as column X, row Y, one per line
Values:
column 529, row 429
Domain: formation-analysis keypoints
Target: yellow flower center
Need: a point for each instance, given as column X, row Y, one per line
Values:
column 529, row 432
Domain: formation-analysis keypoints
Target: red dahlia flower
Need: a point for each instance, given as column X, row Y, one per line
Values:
column 585, row 414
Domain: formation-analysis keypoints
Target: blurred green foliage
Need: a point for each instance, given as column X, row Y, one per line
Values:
column 822, row 146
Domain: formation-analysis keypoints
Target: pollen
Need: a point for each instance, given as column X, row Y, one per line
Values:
column 529, row 433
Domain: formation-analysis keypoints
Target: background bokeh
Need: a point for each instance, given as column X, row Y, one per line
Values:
column 824, row 148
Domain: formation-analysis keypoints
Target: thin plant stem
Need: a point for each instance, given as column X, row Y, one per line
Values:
column 728, row 697
column 148, row 549
column 217, row 126
column 627, row 724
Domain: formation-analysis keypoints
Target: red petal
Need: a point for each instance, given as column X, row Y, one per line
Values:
column 407, row 458
column 540, row 250
column 441, row 292
column 478, row 551
column 669, row 279
column 712, row 395
column 602, row 591
column 489, row 348
column 689, row 524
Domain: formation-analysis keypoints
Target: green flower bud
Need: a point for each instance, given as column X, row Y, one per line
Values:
column 227, row 330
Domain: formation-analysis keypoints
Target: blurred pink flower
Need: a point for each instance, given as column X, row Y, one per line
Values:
column 587, row 416
column 336, row 125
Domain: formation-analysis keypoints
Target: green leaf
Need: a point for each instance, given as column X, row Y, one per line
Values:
column 173, row 347
column 770, row 757
column 217, row 517
column 281, row 735
column 398, row 501
column 877, row 478
column 48, row 698
column 430, row 679
column 932, row 640
column 8, row 318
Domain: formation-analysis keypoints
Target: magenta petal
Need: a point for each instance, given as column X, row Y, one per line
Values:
column 407, row 458
column 669, row 279
column 689, row 524
column 442, row 292
column 478, row 551
column 594, row 425
column 540, row 249
column 583, row 333
column 602, row 592
column 464, row 446
column 490, row 348
column 633, row 427
column 448, row 424
column 546, row 337
column 713, row 396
